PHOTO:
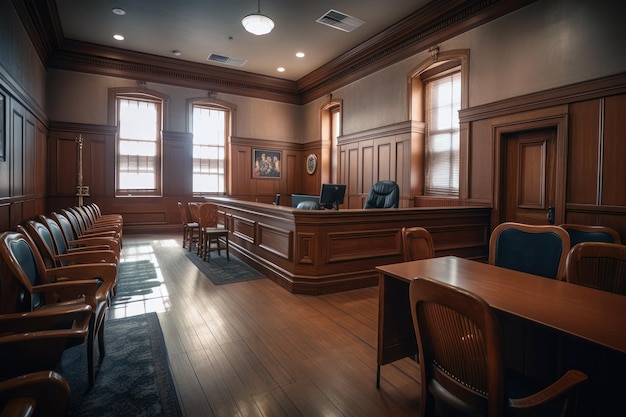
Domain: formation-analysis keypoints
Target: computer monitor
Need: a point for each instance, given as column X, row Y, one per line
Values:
column 332, row 195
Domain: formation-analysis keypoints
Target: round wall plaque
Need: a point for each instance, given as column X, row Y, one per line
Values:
column 311, row 163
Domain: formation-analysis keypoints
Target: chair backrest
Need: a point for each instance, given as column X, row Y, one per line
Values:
column 384, row 194
column 22, row 262
column 75, row 223
column 598, row 265
column 194, row 211
column 65, row 225
column 586, row 233
column 538, row 250
column 208, row 215
column 43, row 240
column 308, row 205
column 60, row 241
column 417, row 243
column 183, row 209
column 459, row 342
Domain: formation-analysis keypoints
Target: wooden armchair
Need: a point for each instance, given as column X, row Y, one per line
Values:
column 25, row 272
column 598, row 265
column 586, row 233
column 37, row 394
column 35, row 340
column 417, row 243
column 462, row 368
column 538, row 250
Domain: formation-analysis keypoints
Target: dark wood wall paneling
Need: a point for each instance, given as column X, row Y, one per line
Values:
column 22, row 162
column 595, row 193
column 148, row 213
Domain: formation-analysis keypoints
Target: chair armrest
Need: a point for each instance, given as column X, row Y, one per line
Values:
column 110, row 242
column 48, row 390
column 44, row 318
column 104, row 271
column 88, row 257
column 556, row 392
column 70, row 291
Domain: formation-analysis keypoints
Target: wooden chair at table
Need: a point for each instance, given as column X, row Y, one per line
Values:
column 211, row 231
column 462, row 371
column 586, row 233
column 535, row 249
column 191, row 229
column 417, row 244
column 599, row 265
column 44, row 393
column 194, row 212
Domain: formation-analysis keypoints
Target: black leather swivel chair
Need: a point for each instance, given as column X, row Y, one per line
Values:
column 384, row 194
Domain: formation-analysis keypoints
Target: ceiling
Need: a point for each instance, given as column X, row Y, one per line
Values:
column 198, row 28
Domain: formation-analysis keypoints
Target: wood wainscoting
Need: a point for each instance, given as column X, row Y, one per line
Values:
column 325, row 251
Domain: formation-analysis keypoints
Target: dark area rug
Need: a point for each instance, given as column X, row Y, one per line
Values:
column 133, row 379
column 222, row 271
column 135, row 278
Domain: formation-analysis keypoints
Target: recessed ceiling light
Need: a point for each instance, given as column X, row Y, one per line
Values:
column 118, row 37
column 177, row 52
column 300, row 54
column 280, row 69
column 118, row 11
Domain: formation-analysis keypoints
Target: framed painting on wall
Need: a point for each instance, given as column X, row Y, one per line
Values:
column 266, row 163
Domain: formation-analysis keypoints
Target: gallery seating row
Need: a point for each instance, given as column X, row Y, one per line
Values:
column 58, row 275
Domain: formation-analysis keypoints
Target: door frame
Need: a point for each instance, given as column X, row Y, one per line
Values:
column 499, row 131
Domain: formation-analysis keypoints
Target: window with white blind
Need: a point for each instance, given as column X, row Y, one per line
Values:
column 138, row 146
column 443, row 102
column 210, row 130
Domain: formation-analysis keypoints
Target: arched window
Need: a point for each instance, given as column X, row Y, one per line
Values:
column 438, row 92
column 211, row 128
column 138, row 116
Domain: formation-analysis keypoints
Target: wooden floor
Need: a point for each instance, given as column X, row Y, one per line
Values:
column 254, row 349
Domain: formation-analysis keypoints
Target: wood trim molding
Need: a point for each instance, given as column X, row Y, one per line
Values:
column 587, row 90
column 380, row 132
column 82, row 128
column 262, row 143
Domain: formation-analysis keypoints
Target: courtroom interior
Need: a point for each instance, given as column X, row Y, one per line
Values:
column 357, row 164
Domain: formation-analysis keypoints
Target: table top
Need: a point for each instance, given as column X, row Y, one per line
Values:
column 594, row 315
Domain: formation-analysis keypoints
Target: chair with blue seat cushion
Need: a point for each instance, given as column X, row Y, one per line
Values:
column 538, row 250
column 383, row 194
column 462, row 366
column 586, row 233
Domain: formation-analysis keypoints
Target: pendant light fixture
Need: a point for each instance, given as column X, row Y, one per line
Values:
column 258, row 23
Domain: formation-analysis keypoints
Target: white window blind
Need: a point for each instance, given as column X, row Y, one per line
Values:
column 138, row 166
column 209, row 138
column 443, row 102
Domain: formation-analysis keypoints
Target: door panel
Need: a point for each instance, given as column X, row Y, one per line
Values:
column 529, row 175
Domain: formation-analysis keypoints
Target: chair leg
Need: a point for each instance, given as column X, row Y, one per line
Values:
column 227, row 254
column 185, row 233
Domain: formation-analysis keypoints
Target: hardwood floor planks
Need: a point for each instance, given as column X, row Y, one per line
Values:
column 254, row 349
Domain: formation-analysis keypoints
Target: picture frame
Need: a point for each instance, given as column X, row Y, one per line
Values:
column 266, row 163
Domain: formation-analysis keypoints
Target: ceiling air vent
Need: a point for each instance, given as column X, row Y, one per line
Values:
column 340, row 21
column 221, row 59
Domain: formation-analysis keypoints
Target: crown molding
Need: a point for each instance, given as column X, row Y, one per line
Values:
column 436, row 22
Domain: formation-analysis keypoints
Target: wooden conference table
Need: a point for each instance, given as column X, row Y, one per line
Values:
column 596, row 316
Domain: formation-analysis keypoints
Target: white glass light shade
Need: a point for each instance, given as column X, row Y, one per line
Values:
column 258, row 24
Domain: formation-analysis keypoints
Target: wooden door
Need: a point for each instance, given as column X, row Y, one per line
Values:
column 529, row 176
